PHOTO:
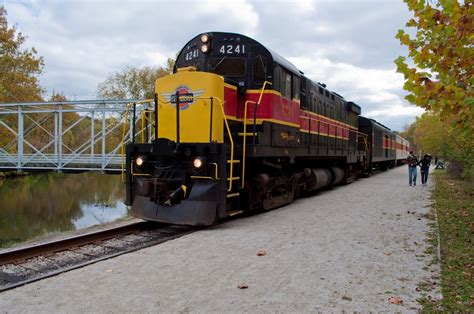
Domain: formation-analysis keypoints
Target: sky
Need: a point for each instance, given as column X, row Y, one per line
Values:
column 348, row 45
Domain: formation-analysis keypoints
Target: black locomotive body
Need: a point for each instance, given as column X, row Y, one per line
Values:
column 241, row 128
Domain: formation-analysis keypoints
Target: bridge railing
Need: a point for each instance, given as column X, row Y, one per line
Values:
column 70, row 135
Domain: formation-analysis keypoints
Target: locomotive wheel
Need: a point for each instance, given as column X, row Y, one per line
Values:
column 274, row 191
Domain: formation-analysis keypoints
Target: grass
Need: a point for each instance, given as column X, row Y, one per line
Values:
column 454, row 204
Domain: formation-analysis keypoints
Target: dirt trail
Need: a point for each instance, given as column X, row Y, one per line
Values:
column 350, row 248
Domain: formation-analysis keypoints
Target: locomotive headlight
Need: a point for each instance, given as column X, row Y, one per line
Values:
column 204, row 48
column 140, row 160
column 204, row 38
column 197, row 162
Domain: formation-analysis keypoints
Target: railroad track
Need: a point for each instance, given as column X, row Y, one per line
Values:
column 26, row 265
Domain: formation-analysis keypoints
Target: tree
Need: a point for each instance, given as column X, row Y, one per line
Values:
column 442, row 53
column 408, row 133
column 57, row 97
column 133, row 82
column 19, row 68
column 441, row 77
column 430, row 135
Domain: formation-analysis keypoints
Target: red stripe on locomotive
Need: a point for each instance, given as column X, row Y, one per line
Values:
column 274, row 107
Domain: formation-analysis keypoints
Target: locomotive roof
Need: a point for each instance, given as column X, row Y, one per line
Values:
column 224, row 36
column 400, row 137
column 377, row 123
column 284, row 62
column 235, row 38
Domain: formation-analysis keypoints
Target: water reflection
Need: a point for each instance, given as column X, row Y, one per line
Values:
column 38, row 204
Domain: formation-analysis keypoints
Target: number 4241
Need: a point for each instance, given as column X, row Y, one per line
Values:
column 232, row 49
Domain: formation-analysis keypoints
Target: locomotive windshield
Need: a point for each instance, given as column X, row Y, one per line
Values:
column 230, row 67
column 259, row 69
column 239, row 59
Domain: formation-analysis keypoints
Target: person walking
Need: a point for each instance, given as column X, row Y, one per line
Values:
column 412, row 162
column 424, row 168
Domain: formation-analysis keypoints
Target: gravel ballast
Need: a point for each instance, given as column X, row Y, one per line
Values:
column 351, row 248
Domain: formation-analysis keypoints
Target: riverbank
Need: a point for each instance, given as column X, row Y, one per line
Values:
column 454, row 211
column 39, row 204
column 12, row 174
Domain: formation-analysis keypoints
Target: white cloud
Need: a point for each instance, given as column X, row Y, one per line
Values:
column 397, row 110
column 349, row 45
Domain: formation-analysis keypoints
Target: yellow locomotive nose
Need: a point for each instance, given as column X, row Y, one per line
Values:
column 198, row 118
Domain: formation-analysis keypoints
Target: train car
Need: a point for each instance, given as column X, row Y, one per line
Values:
column 381, row 144
column 402, row 149
column 239, row 128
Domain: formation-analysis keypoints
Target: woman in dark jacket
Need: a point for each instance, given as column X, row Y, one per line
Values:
column 425, row 167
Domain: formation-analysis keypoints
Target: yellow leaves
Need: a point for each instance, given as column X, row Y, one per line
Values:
column 425, row 53
column 411, row 23
column 411, row 98
column 242, row 286
column 403, row 37
column 430, row 86
column 395, row 300
column 447, row 5
column 465, row 27
column 400, row 62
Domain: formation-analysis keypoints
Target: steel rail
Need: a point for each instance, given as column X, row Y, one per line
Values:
column 22, row 254
column 69, row 244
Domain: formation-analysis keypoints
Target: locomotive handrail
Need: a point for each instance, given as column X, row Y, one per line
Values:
column 344, row 126
column 216, row 175
column 328, row 124
column 122, row 144
column 138, row 174
column 144, row 118
column 127, row 107
column 347, row 126
column 221, row 105
column 245, row 129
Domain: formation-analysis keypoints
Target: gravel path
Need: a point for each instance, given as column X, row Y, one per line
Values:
column 348, row 249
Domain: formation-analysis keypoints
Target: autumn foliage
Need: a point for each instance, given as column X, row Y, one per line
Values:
column 439, row 75
column 133, row 82
column 19, row 67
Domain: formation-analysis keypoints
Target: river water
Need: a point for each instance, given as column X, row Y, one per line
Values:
column 38, row 204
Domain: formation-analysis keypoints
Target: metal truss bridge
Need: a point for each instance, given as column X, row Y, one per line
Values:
column 72, row 136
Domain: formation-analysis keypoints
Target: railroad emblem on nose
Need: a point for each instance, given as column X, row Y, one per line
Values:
column 187, row 96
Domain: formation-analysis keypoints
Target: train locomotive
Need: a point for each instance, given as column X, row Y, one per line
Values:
column 240, row 128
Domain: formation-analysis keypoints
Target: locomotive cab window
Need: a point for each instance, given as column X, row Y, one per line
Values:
column 285, row 84
column 313, row 102
column 276, row 78
column 296, row 88
column 259, row 69
column 231, row 67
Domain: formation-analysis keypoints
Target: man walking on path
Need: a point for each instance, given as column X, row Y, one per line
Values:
column 425, row 167
column 412, row 161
